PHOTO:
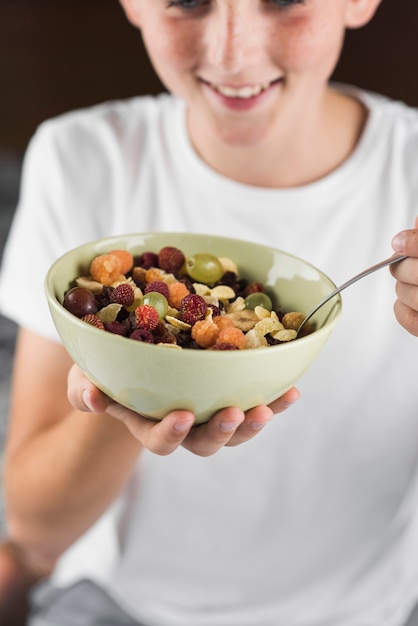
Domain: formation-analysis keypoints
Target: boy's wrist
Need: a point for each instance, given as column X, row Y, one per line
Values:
column 34, row 565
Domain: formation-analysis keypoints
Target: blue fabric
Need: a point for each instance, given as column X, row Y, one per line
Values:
column 82, row 604
column 413, row 620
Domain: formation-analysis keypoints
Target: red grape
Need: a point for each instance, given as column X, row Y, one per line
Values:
column 80, row 301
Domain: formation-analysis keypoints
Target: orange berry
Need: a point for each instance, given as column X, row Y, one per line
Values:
column 153, row 274
column 105, row 268
column 177, row 291
column 222, row 321
column 232, row 335
column 126, row 259
column 205, row 333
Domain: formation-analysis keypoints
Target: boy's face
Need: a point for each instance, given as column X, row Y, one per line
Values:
column 246, row 66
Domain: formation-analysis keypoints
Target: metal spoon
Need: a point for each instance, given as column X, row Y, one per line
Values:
column 370, row 270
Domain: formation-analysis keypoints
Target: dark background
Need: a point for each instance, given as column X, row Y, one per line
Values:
column 57, row 55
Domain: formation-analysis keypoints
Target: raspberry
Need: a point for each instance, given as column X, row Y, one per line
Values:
column 216, row 311
column 254, row 288
column 146, row 317
column 122, row 294
column 142, row 334
column 177, row 291
column 192, row 309
column 159, row 286
column 117, row 328
column 126, row 260
column 171, row 259
column 106, row 268
column 232, row 335
column 93, row 320
column 147, row 260
column 205, row 333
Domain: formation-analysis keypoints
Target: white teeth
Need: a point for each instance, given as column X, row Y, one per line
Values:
column 242, row 92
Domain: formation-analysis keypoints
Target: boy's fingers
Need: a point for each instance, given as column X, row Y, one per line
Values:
column 160, row 437
column 255, row 420
column 83, row 395
column 406, row 242
column 208, row 438
column 285, row 401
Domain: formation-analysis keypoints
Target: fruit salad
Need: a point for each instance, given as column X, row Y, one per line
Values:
column 170, row 299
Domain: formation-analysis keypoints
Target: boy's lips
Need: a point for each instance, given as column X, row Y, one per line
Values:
column 241, row 91
column 241, row 96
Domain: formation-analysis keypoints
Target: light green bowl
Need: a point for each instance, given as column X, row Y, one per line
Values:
column 154, row 380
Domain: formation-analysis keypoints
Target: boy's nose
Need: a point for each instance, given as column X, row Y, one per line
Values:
column 233, row 40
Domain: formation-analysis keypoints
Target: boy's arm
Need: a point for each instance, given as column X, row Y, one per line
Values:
column 63, row 468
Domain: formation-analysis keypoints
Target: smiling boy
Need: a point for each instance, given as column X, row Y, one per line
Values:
column 314, row 521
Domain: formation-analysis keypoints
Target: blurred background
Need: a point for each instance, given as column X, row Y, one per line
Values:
column 57, row 55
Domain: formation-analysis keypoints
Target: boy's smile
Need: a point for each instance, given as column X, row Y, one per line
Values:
column 240, row 97
column 252, row 73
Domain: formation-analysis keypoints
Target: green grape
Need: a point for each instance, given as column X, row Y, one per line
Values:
column 158, row 301
column 258, row 298
column 204, row 268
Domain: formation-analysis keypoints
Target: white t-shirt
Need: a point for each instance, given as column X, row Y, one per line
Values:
column 315, row 521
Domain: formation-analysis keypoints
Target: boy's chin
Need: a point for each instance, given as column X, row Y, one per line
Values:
column 230, row 133
column 247, row 136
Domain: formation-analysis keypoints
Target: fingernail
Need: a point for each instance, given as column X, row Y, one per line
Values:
column 398, row 242
column 286, row 405
column 257, row 425
column 86, row 400
column 228, row 427
column 181, row 427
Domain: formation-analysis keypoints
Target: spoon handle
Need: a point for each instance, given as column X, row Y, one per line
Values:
column 369, row 270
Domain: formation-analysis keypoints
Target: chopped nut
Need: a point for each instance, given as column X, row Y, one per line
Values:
column 268, row 326
column 287, row 334
column 237, row 305
column 169, row 278
column 201, row 289
column 222, row 292
column 138, row 275
column 228, row 265
column 87, row 282
column 293, row 320
column 211, row 300
column 261, row 312
column 244, row 320
column 177, row 323
column 254, row 339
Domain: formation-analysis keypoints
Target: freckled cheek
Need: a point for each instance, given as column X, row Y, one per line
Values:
column 173, row 52
column 307, row 43
column 311, row 49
